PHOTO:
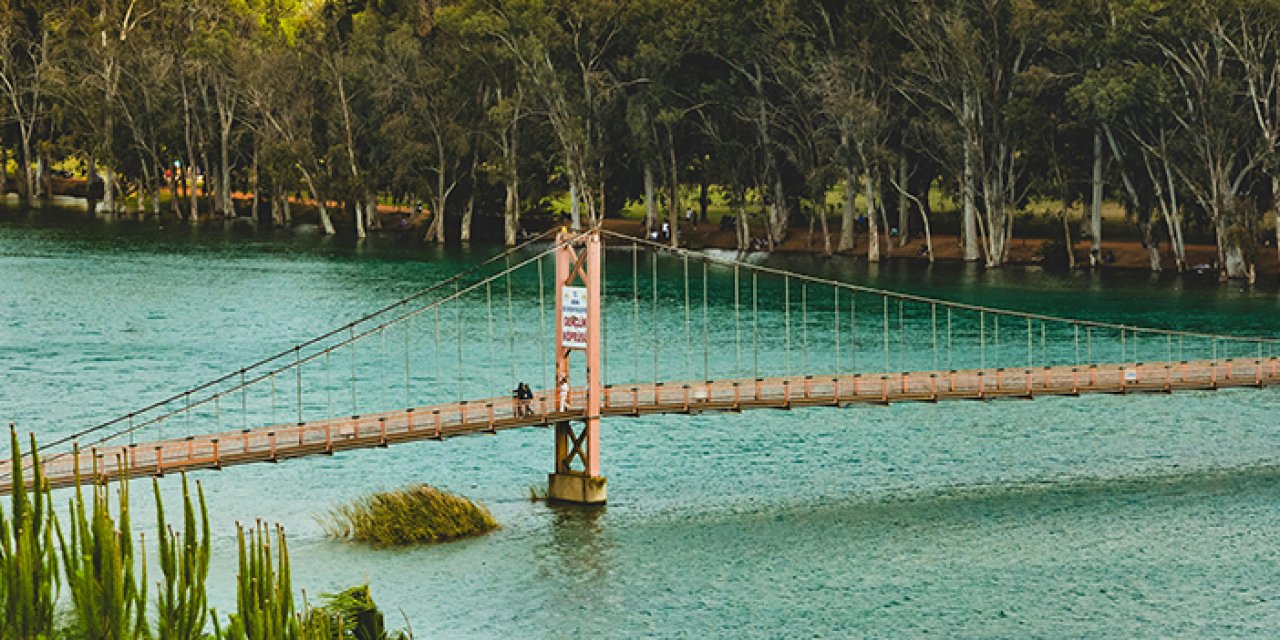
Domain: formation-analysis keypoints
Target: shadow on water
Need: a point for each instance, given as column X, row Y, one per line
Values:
column 1017, row 499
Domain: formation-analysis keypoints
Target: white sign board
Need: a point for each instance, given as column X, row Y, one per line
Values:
column 573, row 317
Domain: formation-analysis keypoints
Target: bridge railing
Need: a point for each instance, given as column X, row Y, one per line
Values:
column 498, row 413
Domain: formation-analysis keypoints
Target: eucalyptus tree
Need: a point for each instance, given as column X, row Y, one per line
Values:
column 852, row 80
column 1221, row 151
column 285, row 103
column 1129, row 95
column 1250, row 30
column 94, row 42
column 429, row 111
column 340, row 45
column 672, row 70
column 565, row 50
column 506, row 106
column 748, row 38
column 216, row 53
column 962, row 67
column 26, row 60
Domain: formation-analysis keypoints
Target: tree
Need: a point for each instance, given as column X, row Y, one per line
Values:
column 961, row 69
column 26, row 32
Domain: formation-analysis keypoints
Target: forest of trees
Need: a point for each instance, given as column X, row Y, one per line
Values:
column 482, row 108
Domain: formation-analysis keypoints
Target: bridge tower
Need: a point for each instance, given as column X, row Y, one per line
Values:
column 577, row 478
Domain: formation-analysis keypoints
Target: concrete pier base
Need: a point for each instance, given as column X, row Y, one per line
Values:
column 576, row 488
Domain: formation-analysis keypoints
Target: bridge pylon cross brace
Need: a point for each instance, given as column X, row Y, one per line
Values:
column 577, row 477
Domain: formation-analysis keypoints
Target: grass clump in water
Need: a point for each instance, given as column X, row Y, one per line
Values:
column 415, row 514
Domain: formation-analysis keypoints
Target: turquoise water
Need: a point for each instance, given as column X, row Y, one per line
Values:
column 1106, row 516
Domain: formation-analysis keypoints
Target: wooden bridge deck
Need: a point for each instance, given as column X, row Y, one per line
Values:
column 490, row 415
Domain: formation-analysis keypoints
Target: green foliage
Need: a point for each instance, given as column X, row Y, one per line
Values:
column 108, row 600
column 353, row 615
column 181, row 607
column 28, row 563
column 106, row 581
column 264, row 591
column 415, row 514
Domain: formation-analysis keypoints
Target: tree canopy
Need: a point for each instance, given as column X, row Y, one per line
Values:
column 484, row 108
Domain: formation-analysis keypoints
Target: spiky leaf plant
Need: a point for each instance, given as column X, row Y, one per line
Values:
column 182, row 604
column 28, row 562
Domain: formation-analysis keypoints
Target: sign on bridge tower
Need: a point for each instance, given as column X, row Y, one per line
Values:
column 577, row 476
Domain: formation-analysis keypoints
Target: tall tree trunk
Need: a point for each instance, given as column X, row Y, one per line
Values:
column 1275, row 208
column 904, row 210
column 358, row 209
column 1095, row 202
column 26, row 165
column 704, row 199
column 673, row 202
column 469, row 209
column 90, row 172
column 673, row 190
column 778, row 220
column 256, row 185
column 41, row 191
column 511, row 209
column 1233, row 262
column 575, row 204
column 157, row 172
column 277, row 218
column 820, row 210
column 846, row 218
column 742, row 226
column 326, row 222
column 928, row 232
column 650, row 202
column 226, row 205
column 969, row 186
column 174, row 198
column 1151, row 242
column 108, row 190
column 873, row 219
column 191, row 152
column 373, row 221
column 46, row 178
column 1066, row 236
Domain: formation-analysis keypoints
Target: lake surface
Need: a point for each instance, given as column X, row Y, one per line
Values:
column 1103, row 516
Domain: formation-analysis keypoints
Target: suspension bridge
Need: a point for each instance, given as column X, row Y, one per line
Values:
column 777, row 340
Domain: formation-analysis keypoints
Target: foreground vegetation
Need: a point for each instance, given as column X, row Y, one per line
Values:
column 84, row 577
column 486, row 110
column 415, row 514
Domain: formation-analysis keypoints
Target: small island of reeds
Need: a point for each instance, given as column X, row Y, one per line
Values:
column 411, row 515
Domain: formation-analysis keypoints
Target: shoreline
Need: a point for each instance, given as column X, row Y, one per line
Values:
column 1122, row 255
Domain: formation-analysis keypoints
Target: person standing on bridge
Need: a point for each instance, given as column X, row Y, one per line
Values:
column 563, row 386
column 524, row 396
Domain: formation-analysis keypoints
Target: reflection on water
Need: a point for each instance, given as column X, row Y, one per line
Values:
column 578, row 549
